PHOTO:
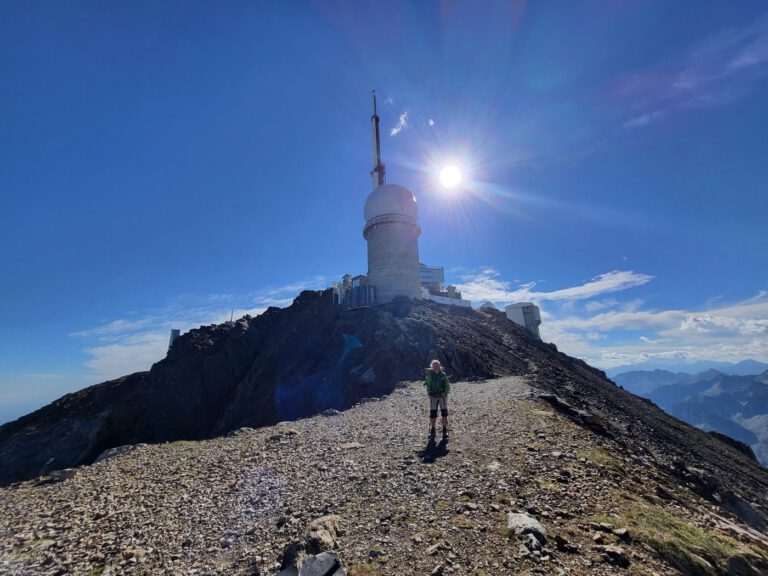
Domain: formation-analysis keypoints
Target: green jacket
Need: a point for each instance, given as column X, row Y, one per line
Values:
column 437, row 384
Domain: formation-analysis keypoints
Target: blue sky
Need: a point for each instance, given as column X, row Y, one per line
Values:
column 162, row 163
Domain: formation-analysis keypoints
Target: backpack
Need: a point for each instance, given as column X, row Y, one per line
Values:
column 436, row 384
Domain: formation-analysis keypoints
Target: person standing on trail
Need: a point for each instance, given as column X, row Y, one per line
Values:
column 438, row 386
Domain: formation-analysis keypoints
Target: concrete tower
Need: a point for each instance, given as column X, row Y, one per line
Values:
column 392, row 232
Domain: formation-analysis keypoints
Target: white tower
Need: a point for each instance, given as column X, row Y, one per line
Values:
column 525, row 314
column 392, row 232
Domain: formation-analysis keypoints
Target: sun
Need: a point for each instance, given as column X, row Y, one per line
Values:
column 450, row 176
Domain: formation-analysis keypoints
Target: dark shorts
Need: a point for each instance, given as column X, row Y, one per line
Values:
column 434, row 402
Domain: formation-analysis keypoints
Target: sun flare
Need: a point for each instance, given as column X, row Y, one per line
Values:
column 450, row 176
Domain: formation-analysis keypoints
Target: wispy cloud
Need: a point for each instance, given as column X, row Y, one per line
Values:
column 601, row 321
column 122, row 346
column 725, row 334
column 488, row 285
column 716, row 71
column 402, row 124
column 643, row 119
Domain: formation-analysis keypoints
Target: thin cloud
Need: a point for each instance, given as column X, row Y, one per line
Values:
column 114, row 327
column 709, row 324
column 122, row 346
column 402, row 124
column 718, row 70
column 729, row 334
column 643, row 119
column 487, row 285
column 603, row 330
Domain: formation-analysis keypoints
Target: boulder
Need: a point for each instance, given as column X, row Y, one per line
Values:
column 324, row 564
column 322, row 533
column 614, row 555
column 117, row 451
column 524, row 524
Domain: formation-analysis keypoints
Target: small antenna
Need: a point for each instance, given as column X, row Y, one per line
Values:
column 378, row 168
column 232, row 315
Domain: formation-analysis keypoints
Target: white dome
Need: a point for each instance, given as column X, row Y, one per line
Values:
column 390, row 199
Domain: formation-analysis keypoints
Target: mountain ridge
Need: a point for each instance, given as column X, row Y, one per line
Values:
column 315, row 356
column 741, row 368
column 729, row 404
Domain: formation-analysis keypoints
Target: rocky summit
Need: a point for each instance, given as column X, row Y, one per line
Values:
column 281, row 365
column 296, row 443
column 518, row 487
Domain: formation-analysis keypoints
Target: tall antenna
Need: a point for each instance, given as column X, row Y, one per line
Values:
column 378, row 168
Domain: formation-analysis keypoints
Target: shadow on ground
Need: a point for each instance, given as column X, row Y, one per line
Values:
column 432, row 451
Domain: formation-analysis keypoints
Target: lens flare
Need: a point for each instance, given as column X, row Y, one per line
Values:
column 450, row 176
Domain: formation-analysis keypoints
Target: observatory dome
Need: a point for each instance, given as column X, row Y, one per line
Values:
column 390, row 199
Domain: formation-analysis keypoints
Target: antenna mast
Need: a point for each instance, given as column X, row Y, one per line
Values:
column 378, row 168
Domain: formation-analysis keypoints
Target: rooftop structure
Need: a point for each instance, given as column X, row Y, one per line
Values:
column 527, row 315
column 175, row 332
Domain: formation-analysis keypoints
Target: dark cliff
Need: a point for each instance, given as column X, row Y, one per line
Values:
column 295, row 362
column 284, row 364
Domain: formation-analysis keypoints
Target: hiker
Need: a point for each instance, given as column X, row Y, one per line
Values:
column 438, row 386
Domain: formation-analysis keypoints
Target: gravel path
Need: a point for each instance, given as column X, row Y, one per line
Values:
column 408, row 505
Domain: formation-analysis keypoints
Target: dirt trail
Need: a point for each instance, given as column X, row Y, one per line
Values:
column 408, row 506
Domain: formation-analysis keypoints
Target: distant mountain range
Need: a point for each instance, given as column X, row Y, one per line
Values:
column 743, row 368
column 732, row 404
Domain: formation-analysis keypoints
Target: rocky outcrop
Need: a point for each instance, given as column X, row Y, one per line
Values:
column 282, row 365
column 314, row 357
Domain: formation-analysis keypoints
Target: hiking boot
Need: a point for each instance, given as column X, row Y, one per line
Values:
column 445, row 432
column 431, row 432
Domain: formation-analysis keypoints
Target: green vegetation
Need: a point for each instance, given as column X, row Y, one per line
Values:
column 361, row 569
column 604, row 460
column 182, row 444
column 548, row 485
column 692, row 550
column 504, row 499
column 463, row 522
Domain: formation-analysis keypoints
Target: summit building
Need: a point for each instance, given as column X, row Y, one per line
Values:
column 392, row 233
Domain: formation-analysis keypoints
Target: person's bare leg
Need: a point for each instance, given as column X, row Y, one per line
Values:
column 445, row 424
column 432, row 422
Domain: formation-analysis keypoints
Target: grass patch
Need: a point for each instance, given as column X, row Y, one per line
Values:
column 504, row 499
column 604, row 460
column 548, row 485
column 181, row 444
column 688, row 548
column 362, row 569
column 463, row 522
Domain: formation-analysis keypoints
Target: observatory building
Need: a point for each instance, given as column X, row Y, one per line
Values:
column 392, row 232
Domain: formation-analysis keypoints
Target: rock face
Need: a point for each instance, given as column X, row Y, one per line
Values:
column 282, row 365
column 314, row 357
